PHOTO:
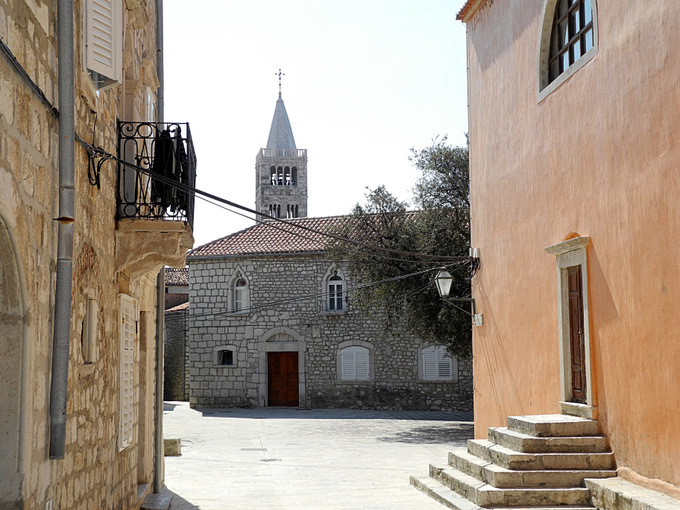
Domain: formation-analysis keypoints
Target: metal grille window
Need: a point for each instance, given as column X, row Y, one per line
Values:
column 128, row 334
column 572, row 34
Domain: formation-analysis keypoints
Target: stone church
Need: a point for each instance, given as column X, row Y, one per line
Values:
column 272, row 322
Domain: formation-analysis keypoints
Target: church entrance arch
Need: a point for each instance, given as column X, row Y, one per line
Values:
column 281, row 368
column 11, row 359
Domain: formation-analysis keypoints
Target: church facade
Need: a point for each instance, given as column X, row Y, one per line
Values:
column 272, row 322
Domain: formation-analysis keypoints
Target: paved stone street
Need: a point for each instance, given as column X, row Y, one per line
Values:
column 293, row 459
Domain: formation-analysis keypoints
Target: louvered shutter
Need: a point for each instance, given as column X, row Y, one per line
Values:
column 104, row 34
column 128, row 334
column 430, row 364
column 347, row 360
column 361, row 359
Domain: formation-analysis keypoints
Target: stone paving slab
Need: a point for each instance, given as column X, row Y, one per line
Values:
column 295, row 459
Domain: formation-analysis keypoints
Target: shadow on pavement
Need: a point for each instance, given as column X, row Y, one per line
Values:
column 454, row 433
column 178, row 502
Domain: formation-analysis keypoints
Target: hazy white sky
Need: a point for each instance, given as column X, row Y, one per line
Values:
column 365, row 80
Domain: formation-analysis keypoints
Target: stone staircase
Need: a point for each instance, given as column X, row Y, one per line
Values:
column 535, row 462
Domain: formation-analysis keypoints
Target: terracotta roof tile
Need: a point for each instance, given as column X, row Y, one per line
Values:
column 177, row 276
column 274, row 237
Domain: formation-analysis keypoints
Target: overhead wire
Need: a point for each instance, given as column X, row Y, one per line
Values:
column 98, row 152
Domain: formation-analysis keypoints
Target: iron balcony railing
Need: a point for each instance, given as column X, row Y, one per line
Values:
column 165, row 152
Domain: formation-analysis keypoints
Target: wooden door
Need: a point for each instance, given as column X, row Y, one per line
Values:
column 283, row 379
column 576, row 338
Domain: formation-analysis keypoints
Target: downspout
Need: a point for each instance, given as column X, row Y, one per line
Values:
column 62, row 304
column 158, row 468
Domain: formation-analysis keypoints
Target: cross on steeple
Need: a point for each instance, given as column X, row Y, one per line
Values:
column 279, row 74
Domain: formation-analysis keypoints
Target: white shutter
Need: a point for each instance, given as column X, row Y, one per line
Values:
column 103, row 39
column 347, row 361
column 128, row 334
column 430, row 363
column 361, row 357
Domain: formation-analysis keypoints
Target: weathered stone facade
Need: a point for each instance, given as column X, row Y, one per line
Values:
column 286, row 314
column 175, row 354
column 110, row 259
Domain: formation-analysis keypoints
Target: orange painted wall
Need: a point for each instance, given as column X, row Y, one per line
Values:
column 599, row 156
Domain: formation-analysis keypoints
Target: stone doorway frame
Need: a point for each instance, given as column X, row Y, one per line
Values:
column 266, row 346
column 569, row 253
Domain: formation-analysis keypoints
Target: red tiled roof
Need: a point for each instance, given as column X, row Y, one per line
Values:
column 178, row 308
column 274, row 237
column 176, row 276
column 465, row 10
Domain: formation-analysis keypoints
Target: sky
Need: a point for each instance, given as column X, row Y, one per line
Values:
column 364, row 81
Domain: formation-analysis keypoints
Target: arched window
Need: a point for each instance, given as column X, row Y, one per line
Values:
column 355, row 362
column 293, row 179
column 279, row 176
column 272, row 175
column 336, row 291
column 240, row 293
column 437, row 365
column 568, row 40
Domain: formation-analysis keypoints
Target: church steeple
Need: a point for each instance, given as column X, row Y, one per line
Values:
column 281, row 170
column 280, row 134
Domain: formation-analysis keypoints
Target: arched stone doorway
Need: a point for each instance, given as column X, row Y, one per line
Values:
column 11, row 357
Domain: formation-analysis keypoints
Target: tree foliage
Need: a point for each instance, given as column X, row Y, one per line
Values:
column 422, row 239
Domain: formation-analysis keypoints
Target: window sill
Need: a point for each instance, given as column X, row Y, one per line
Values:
column 327, row 313
column 438, row 381
column 224, row 366
column 354, row 381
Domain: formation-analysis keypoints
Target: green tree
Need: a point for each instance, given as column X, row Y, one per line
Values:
column 419, row 242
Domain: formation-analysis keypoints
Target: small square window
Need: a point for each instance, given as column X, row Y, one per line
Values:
column 225, row 358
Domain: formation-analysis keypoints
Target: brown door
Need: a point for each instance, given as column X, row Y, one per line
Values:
column 283, row 379
column 576, row 339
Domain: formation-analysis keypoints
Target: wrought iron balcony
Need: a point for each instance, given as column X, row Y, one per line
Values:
column 165, row 151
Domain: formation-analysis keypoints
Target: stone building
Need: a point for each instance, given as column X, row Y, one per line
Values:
column 574, row 160
column 82, row 240
column 271, row 319
column 272, row 324
column 176, row 286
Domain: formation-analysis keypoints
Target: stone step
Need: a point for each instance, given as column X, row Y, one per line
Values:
column 486, row 495
column 512, row 459
column 531, row 444
column 455, row 501
column 619, row 494
column 501, row 477
column 549, row 425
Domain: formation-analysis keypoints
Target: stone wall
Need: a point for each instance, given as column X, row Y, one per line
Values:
column 174, row 387
column 285, row 296
column 94, row 473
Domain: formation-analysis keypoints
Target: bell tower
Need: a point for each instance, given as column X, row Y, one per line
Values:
column 281, row 170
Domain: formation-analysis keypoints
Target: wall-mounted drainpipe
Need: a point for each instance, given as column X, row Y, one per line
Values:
column 160, row 287
column 62, row 303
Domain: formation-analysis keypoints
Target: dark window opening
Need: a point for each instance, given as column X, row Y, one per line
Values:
column 225, row 358
column 572, row 35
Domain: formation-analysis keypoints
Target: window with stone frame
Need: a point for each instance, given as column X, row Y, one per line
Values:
column 437, row 364
column 572, row 34
column 355, row 363
column 335, row 288
column 240, row 294
column 224, row 357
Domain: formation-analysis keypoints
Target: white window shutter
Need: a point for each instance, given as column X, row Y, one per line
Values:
column 128, row 335
column 347, row 361
column 104, row 40
column 430, row 364
column 362, row 363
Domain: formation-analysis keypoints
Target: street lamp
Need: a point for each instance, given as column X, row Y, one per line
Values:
column 443, row 281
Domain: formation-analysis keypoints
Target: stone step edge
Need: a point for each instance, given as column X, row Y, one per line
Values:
column 453, row 500
column 617, row 493
column 485, row 450
column 484, row 494
column 442, row 494
column 503, row 436
column 493, row 474
column 555, row 425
